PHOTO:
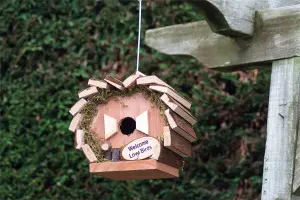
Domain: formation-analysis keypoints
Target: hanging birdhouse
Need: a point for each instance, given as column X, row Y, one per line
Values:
column 140, row 128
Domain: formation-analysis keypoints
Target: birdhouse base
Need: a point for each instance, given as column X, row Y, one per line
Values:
column 134, row 170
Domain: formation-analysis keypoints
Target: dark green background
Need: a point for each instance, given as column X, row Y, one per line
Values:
column 49, row 50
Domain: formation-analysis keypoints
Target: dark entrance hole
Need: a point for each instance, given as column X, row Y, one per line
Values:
column 127, row 125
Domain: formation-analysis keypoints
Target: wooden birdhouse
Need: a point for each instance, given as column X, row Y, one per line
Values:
column 140, row 128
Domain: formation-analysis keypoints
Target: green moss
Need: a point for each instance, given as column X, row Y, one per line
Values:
column 102, row 97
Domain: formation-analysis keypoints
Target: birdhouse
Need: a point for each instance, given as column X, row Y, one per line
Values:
column 140, row 128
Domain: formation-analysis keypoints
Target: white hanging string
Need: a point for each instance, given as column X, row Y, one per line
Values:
column 139, row 37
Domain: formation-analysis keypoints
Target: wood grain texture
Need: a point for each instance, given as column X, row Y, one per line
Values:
column 235, row 18
column 177, row 143
column 78, row 106
column 87, row 92
column 177, row 108
column 98, row 83
column 121, row 107
column 180, row 126
column 282, row 130
column 75, row 122
column 114, row 82
column 89, row 154
column 173, row 94
column 276, row 37
column 134, row 170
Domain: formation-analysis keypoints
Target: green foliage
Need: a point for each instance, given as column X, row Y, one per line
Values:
column 49, row 49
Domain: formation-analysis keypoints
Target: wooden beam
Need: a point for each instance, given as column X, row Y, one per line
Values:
column 282, row 130
column 235, row 18
column 177, row 143
column 276, row 37
column 296, row 178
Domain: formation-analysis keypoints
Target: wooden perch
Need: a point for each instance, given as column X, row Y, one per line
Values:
column 114, row 82
column 87, row 92
column 75, row 122
column 180, row 126
column 171, row 93
column 78, row 106
column 276, row 37
column 177, row 143
column 89, row 154
column 98, row 83
column 177, row 108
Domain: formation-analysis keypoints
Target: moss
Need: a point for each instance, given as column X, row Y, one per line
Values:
column 102, row 97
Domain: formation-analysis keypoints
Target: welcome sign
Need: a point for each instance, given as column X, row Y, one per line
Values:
column 140, row 148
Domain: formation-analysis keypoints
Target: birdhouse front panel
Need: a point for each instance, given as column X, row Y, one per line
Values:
column 124, row 119
column 140, row 128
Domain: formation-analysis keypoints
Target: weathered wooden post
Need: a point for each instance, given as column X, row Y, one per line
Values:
column 247, row 34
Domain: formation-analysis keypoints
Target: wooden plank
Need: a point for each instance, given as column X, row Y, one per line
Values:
column 79, row 139
column 177, row 108
column 180, row 126
column 173, row 94
column 296, row 178
column 115, row 154
column 134, row 170
column 75, row 122
column 87, row 92
column 89, row 154
column 98, row 83
column 235, row 18
column 283, row 117
column 151, row 80
column 276, row 37
column 177, row 143
column 131, row 80
column 110, row 126
column 142, row 122
column 166, row 156
column 114, row 82
column 78, row 106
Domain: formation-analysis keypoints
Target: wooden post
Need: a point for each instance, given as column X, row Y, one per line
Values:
column 283, row 119
column 258, row 34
